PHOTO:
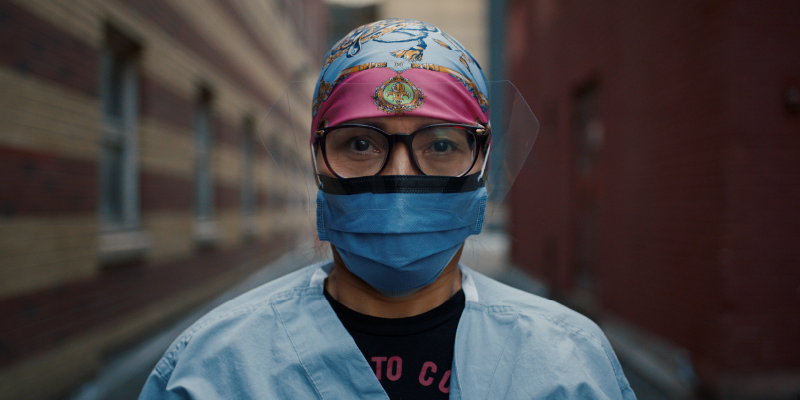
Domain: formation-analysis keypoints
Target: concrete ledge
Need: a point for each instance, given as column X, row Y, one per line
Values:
column 205, row 232
column 123, row 246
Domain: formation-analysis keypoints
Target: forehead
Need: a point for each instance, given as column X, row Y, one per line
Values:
column 398, row 124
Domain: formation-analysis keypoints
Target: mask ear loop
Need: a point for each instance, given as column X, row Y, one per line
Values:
column 485, row 159
column 314, row 161
column 488, row 127
column 488, row 148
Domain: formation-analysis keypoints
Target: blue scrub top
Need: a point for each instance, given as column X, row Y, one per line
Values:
column 284, row 341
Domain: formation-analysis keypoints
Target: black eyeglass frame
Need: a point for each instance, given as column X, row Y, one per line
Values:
column 481, row 133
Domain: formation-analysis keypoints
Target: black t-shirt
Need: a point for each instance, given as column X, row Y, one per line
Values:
column 411, row 357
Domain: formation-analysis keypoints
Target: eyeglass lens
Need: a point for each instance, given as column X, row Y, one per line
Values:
column 361, row 151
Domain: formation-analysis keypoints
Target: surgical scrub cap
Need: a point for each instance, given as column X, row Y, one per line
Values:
column 399, row 67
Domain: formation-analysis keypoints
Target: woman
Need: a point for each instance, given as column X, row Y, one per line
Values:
column 401, row 141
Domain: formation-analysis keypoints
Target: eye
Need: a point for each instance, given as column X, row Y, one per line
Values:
column 441, row 146
column 360, row 144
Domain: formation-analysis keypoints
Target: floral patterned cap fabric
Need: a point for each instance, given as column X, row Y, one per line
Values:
column 399, row 67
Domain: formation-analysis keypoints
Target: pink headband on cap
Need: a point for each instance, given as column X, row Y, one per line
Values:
column 381, row 92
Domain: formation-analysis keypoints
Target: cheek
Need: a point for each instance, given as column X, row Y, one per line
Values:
column 322, row 168
column 478, row 164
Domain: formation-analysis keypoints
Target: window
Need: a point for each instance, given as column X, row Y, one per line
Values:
column 205, row 229
column 120, row 238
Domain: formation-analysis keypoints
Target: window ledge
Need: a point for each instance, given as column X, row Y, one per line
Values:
column 123, row 246
column 250, row 227
column 205, row 233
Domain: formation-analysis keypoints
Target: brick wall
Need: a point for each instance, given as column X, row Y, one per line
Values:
column 760, row 252
column 63, row 308
column 692, row 236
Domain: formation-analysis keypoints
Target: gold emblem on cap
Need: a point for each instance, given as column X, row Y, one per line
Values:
column 398, row 95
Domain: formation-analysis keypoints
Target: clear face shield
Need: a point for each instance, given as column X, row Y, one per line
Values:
column 396, row 196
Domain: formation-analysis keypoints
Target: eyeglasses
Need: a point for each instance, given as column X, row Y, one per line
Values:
column 354, row 150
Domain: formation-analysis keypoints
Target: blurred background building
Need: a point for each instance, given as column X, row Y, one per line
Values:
column 662, row 191
column 659, row 199
column 133, row 185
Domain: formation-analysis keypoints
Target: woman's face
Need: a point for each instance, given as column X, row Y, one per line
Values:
column 399, row 160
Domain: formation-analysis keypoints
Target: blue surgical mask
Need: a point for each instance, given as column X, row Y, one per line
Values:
column 398, row 233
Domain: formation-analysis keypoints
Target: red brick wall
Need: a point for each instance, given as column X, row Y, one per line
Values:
column 33, row 46
column 263, row 47
column 695, row 181
column 163, row 104
column 57, row 297
column 39, row 321
column 761, row 251
column 164, row 192
column 44, row 184
column 165, row 17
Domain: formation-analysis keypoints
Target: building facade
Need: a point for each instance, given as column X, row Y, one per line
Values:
column 662, row 190
column 134, row 184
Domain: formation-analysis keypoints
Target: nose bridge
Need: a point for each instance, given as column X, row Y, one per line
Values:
column 400, row 162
